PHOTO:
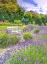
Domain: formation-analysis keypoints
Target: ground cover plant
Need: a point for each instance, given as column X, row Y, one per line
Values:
column 33, row 54
column 33, row 51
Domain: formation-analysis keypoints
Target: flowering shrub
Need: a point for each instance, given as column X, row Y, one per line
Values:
column 36, row 30
column 27, row 35
column 6, row 39
column 29, row 55
column 13, row 39
column 25, row 29
column 33, row 51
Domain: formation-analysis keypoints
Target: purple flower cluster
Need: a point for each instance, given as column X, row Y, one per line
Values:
column 22, row 45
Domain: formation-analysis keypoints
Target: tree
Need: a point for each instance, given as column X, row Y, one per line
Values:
column 11, row 9
column 7, row 1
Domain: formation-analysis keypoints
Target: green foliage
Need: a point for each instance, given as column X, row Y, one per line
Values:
column 7, row 1
column 46, row 24
column 36, row 30
column 42, row 24
column 10, row 10
column 6, row 39
column 17, row 22
column 3, row 28
column 3, row 39
column 13, row 39
column 25, row 20
column 25, row 29
column 33, row 54
column 27, row 36
column 6, row 24
column 34, row 18
column 33, row 22
column 10, row 24
column 42, row 36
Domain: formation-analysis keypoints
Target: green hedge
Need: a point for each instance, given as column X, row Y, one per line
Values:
column 9, row 24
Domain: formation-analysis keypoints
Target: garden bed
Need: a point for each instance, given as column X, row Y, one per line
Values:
column 37, row 46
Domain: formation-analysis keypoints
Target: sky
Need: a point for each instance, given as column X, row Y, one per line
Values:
column 39, row 6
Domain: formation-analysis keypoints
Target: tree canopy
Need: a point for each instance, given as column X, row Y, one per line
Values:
column 10, row 10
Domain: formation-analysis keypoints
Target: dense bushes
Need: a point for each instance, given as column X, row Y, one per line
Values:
column 3, row 39
column 27, row 35
column 17, row 22
column 36, row 30
column 25, row 29
column 7, row 39
column 32, row 17
column 13, row 39
column 10, row 10
column 9, row 24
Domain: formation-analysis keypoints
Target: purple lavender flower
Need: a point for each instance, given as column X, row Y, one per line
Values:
column 25, row 58
column 18, row 58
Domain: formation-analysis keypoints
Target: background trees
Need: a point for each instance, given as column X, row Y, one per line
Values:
column 10, row 10
column 34, row 18
column 7, row 1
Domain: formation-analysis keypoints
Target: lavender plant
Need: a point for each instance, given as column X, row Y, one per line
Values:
column 27, row 35
column 33, row 51
column 7, row 39
column 36, row 30
column 33, row 54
